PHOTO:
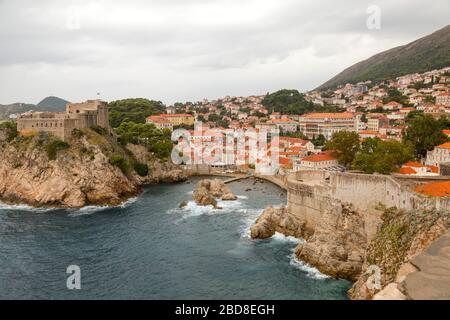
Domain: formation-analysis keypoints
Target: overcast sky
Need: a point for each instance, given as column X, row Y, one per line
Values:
column 187, row 50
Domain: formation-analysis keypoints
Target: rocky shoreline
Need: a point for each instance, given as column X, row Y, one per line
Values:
column 78, row 174
column 339, row 247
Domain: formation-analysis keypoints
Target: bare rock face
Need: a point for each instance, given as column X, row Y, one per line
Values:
column 79, row 175
column 276, row 220
column 401, row 238
column 207, row 191
column 390, row 292
column 160, row 172
column 338, row 245
column 73, row 179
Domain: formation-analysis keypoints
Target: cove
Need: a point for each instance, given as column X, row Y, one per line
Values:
column 148, row 248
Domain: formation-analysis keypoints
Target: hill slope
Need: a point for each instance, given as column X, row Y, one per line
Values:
column 54, row 104
column 425, row 54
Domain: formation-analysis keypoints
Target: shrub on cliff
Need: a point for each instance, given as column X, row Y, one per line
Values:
column 54, row 146
column 119, row 161
column 140, row 168
column 10, row 130
column 100, row 130
column 157, row 141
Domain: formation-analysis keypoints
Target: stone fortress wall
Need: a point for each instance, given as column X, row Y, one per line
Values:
column 61, row 124
column 311, row 193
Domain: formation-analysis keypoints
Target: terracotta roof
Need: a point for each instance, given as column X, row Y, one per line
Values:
column 413, row 164
column 342, row 115
column 368, row 132
column 435, row 189
column 319, row 157
column 407, row 170
column 446, row 132
column 444, row 145
column 393, row 103
column 173, row 115
column 284, row 161
column 434, row 169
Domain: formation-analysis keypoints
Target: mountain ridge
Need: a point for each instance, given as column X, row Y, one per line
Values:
column 424, row 54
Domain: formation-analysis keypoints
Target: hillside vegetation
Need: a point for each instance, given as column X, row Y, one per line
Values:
column 425, row 54
column 135, row 110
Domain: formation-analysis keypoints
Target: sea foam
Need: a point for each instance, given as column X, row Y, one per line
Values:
column 303, row 266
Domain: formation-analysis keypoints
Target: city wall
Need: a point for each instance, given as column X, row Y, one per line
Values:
column 311, row 193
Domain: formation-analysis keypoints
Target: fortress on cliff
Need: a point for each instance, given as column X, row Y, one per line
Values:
column 61, row 124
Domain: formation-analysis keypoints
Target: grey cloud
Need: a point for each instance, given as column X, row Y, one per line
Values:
column 164, row 35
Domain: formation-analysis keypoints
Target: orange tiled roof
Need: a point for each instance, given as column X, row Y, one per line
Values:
column 435, row 189
column 342, row 115
column 368, row 132
column 434, row 169
column 413, row 164
column 446, row 132
column 444, row 145
column 319, row 157
column 407, row 170
column 393, row 103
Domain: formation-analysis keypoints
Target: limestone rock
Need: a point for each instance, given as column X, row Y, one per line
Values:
column 79, row 175
column 404, row 270
column 207, row 191
column 337, row 247
column 276, row 220
column 390, row 292
column 183, row 204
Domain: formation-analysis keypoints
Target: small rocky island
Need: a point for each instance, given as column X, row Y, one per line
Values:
column 207, row 191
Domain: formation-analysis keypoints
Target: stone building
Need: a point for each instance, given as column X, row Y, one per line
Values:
column 61, row 124
column 315, row 124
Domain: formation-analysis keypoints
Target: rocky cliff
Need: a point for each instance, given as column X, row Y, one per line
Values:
column 90, row 169
column 345, row 242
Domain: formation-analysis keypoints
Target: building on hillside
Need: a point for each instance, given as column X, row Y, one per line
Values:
column 375, row 121
column 443, row 98
column 392, row 106
column 438, row 155
column 175, row 119
column 365, row 134
column 285, row 125
column 321, row 161
column 61, row 124
column 314, row 124
column 418, row 169
column 290, row 143
column 160, row 122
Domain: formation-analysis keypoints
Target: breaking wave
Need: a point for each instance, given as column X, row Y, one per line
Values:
column 94, row 209
column 23, row 207
column 303, row 266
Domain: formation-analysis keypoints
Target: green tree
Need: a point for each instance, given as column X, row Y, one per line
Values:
column 381, row 156
column 157, row 141
column 293, row 102
column 135, row 110
column 425, row 132
column 319, row 140
column 344, row 145
column 397, row 96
